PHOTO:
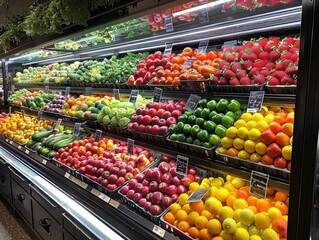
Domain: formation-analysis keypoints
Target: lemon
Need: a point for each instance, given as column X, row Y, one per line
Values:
column 193, row 186
column 213, row 205
column 238, row 182
column 231, row 132
column 291, row 140
column 225, row 212
column 249, row 146
column 241, row 234
column 250, row 125
column 246, row 216
column 286, row 152
column 240, row 123
column 227, row 142
column 237, row 214
column 246, row 116
column 242, row 132
column 238, row 143
column 255, row 157
column 260, row 148
column 229, row 186
column 241, row 225
column 269, row 234
column 229, row 225
column 273, row 213
column 243, row 154
column 212, row 191
column 257, row 117
column 262, row 220
column 214, row 227
column 192, row 216
column 217, row 182
column 253, row 230
column 255, row 237
column 222, row 150
column 262, row 125
column 269, row 118
column 254, row 134
column 229, row 178
column 240, row 204
column 225, row 235
column 285, row 217
column 222, row 194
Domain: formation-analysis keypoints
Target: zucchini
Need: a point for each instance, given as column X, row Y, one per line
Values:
column 51, row 154
column 30, row 143
column 39, row 136
column 34, row 146
column 38, row 149
column 63, row 143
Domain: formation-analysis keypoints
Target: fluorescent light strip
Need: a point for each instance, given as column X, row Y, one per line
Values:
column 194, row 9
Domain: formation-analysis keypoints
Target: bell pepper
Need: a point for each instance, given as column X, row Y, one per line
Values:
column 233, row 106
column 205, row 113
column 231, row 114
column 191, row 120
column 198, row 142
column 198, row 111
column 202, row 103
column 180, row 127
column 212, row 114
column 187, row 129
column 222, row 105
column 214, row 139
column 173, row 128
column 181, row 137
column 203, row 135
column 200, row 121
column 217, row 118
column 220, row 130
column 212, row 105
column 195, row 130
column 227, row 121
column 173, row 137
column 189, row 140
column 207, row 145
column 209, row 126
column 182, row 118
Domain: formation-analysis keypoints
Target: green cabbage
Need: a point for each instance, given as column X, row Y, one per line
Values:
column 106, row 120
column 124, row 121
column 122, row 112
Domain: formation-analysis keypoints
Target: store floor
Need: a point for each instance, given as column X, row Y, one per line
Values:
column 12, row 228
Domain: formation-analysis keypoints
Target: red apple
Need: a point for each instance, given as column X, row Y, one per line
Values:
column 145, row 182
column 124, row 189
column 167, row 114
column 166, row 201
column 162, row 122
column 157, row 197
column 112, row 179
column 176, row 181
column 163, row 167
column 138, row 187
column 170, row 107
column 142, row 202
column 111, row 187
column 152, row 112
column 120, row 181
column 155, row 120
column 141, row 128
column 155, row 210
column 174, row 197
column 181, row 189
column 153, row 186
column 192, row 170
column 139, row 111
column 148, row 129
column 147, row 119
column 139, row 119
column 137, row 197
column 167, row 177
column 162, row 187
column 160, row 113
column 147, row 206
column 289, row 165
column 132, row 183
column 104, row 182
column 155, row 129
column 172, row 189
column 145, row 190
column 130, row 194
column 135, row 126
column 156, row 175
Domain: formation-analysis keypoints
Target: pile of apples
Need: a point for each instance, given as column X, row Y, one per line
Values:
column 156, row 117
column 157, row 188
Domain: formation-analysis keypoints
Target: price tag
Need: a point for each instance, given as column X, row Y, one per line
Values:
column 168, row 48
column 7, row 140
column 44, row 161
column 255, row 102
column 88, row 91
column 67, row 92
column 258, row 184
column 133, row 96
column 189, row 62
column 159, row 231
column 10, row 110
column 39, row 116
column 169, row 24
column 130, row 146
column 181, row 165
column 27, row 151
column 114, row 203
column 67, row 175
column 76, row 129
column 203, row 15
column 22, row 113
column 192, row 102
column 197, row 195
column 116, row 93
column 11, row 142
column 19, row 147
column 98, row 135
column 46, row 90
column 95, row 192
column 80, row 183
column 57, row 124
column 230, row 44
column 104, row 197
column 202, row 46
column 157, row 94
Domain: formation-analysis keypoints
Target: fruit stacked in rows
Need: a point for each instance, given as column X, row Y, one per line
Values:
column 207, row 124
column 94, row 160
column 21, row 128
column 17, row 97
column 230, row 212
column 57, row 104
column 156, row 118
column 3, row 115
column 265, row 61
column 264, row 137
column 37, row 100
column 159, row 187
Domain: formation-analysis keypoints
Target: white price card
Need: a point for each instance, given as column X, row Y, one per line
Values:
column 88, row 91
column 39, row 116
column 19, row 147
column 230, row 44
column 95, row 192
column 104, row 197
column 10, row 110
column 258, row 184
column 168, row 48
column 203, row 15
column 98, row 135
column 114, row 203
column 67, row 175
column 76, row 129
column 44, row 161
column 27, row 151
column 159, row 231
column 189, row 62
column 202, row 46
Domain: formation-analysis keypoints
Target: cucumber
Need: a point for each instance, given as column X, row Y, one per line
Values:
column 34, row 146
column 45, row 151
column 51, row 154
column 39, row 136
column 63, row 143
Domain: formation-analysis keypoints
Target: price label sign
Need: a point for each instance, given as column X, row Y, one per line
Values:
column 67, row 92
column 114, row 203
column 133, row 96
column 76, row 129
column 157, row 94
column 19, row 147
column 27, row 151
column 88, row 91
column 230, row 44
column 255, row 102
column 22, row 113
column 104, row 197
column 189, row 62
column 197, row 195
column 202, row 46
column 10, row 110
column 181, row 165
column 192, row 102
column 57, row 124
column 39, row 116
column 116, row 93
column 98, row 135
column 159, row 231
column 258, row 184
column 130, row 146
column 46, row 90
column 203, row 15
column 168, row 48
column 12, row 88
column 169, row 24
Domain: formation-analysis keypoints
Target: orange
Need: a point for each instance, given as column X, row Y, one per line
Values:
column 232, row 152
column 192, row 217
column 287, row 201
column 201, row 222
column 254, row 209
column 279, row 118
column 206, row 214
column 187, row 208
column 242, row 193
column 217, row 238
column 262, row 205
column 270, row 191
column 251, row 200
column 214, row 226
column 280, row 226
column 275, row 127
column 282, row 207
column 204, row 234
column 184, row 226
column 282, row 139
column 181, row 215
column 290, row 119
column 288, row 128
column 197, row 206
column 281, row 196
column 175, row 207
column 193, row 232
column 230, row 200
column 169, row 217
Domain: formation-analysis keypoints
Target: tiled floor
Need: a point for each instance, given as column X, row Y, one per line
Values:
column 12, row 228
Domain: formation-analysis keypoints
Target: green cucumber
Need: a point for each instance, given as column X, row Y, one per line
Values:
column 39, row 136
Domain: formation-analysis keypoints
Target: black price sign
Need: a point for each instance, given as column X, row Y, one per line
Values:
column 116, row 93
column 88, row 91
column 202, row 46
column 255, row 102
column 168, row 48
column 22, row 113
column 10, row 110
column 130, row 146
column 76, row 129
column 98, row 135
column 189, row 62
column 203, row 15
column 169, row 24
column 57, row 124
column 157, row 94
column 258, row 184
column 46, row 90
column 39, row 116
column 192, row 102
column 133, row 96
column 197, row 195
column 230, row 44
column 181, row 165
column 67, row 92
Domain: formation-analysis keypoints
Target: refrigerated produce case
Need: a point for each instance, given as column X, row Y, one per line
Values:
column 223, row 24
